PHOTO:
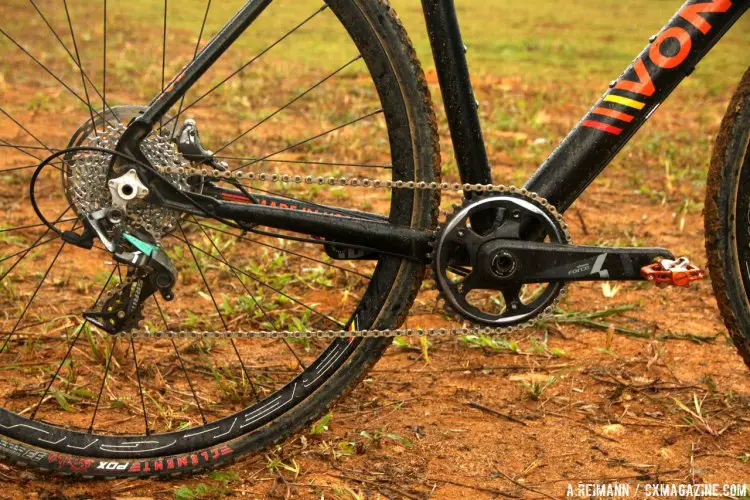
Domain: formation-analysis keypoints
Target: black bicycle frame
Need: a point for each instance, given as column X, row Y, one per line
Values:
column 670, row 56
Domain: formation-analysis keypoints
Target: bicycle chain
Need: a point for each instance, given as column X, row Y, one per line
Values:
column 353, row 182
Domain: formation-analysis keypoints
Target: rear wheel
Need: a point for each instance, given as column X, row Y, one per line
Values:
column 77, row 400
column 727, row 218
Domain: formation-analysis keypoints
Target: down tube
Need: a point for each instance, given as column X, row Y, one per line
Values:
column 670, row 56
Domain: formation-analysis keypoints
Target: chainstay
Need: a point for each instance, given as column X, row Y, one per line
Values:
column 277, row 178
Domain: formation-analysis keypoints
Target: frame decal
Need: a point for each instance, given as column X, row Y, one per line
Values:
column 667, row 50
column 670, row 56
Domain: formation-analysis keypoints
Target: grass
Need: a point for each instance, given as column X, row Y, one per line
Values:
column 601, row 320
column 536, row 67
column 582, row 38
column 217, row 489
column 535, row 388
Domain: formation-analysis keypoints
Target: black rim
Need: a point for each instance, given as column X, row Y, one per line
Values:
column 149, row 444
column 742, row 220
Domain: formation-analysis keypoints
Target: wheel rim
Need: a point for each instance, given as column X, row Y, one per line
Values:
column 65, row 384
column 741, row 222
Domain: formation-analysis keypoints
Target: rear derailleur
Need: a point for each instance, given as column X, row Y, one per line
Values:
column 149, row 270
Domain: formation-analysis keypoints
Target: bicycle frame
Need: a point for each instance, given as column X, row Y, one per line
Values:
column 670, row 56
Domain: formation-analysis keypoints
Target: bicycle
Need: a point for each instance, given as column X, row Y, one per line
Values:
column 131, row 179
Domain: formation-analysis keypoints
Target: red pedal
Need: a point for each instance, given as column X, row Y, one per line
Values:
column 678, row 272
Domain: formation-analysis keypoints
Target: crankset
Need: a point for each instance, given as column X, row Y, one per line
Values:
column 517, row 269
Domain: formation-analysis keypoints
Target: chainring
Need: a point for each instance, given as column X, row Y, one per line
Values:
column 511, row 214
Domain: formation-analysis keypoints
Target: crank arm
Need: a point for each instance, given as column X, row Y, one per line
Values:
column 501, row 261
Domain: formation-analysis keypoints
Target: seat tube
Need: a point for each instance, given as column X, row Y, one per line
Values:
column 449, row 53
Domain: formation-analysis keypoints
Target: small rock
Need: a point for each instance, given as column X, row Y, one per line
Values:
column 613, row 430
column 670, row 440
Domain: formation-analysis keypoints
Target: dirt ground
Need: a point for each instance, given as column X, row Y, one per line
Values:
column 650, row 391
column 468, row 423
column 625, row 384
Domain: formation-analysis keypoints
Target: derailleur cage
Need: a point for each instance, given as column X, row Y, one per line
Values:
column 150, row 270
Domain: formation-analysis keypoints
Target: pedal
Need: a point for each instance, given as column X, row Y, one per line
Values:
column 679, row 272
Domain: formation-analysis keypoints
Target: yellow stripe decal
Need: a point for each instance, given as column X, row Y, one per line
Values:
column 624, row 101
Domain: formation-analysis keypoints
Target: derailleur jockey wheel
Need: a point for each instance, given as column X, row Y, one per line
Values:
column 459, row 272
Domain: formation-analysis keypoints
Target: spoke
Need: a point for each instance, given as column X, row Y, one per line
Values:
column 103, row 94
column 25, row 253
column 25, row 130
column 21, row 148
column 49, row 72
column 34, row 245
column 27, row 146
column 309, row 139
column 163, row 60
column 268, row 245
column 26, row 167
column 264, row 284
column 70, row 348
column 33, row 295
column 295, row 99
column 249, row 293
column 16, row 169
column 182, row 364
column 104, row 63
column 203, row 276
column 216, row 306
column 38, row 243
column 251, row 61
column 80, row 66
column 104, row 381
column 195, row 54
column 140, row 387
column 302, row 162
column 31, row 226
